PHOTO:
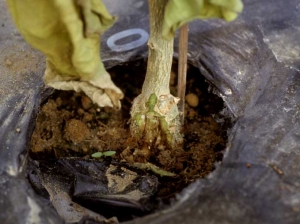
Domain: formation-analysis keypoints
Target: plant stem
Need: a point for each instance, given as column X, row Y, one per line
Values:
column 158, row 125
column 160, row 53
column 182, row 67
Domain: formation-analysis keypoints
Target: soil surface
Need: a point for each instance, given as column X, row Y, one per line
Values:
column 70, row 125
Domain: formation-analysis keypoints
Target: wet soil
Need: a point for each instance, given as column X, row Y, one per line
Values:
column 70, row 125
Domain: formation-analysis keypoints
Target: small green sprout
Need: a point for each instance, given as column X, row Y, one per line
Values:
column 97, row 155
column 109, row 153
column 100, row 154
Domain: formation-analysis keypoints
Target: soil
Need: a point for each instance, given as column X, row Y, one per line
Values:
column 70, row 125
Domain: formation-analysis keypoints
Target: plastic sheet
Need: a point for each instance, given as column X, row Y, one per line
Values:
column 253, row 63
column 109, row 188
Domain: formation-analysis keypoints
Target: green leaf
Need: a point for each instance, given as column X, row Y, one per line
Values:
column 179, row 12
column 97, row 155
column 109, row 153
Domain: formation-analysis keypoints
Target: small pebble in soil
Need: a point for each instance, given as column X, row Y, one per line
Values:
column 18, row 130
column 80, row 111
column 192, row 99
column 76, row 131
column 86, row 102
column 88, row 117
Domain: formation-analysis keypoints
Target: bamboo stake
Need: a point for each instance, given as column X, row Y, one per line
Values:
column 182, row 67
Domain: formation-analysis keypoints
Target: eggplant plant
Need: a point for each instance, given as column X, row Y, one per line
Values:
column 155, row 118
column 68, row 31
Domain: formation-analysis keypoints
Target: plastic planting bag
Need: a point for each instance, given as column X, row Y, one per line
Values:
column 252, row 63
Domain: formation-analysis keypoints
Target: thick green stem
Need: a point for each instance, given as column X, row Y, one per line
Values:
column 160, row 52
column 154, row 113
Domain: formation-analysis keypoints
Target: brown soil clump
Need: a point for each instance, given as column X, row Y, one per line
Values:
column 76, row 131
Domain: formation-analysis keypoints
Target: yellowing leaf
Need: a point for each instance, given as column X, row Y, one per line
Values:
column 68, row 33
column 179, row 12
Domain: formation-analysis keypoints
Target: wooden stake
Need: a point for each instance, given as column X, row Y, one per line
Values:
column 182, row 67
